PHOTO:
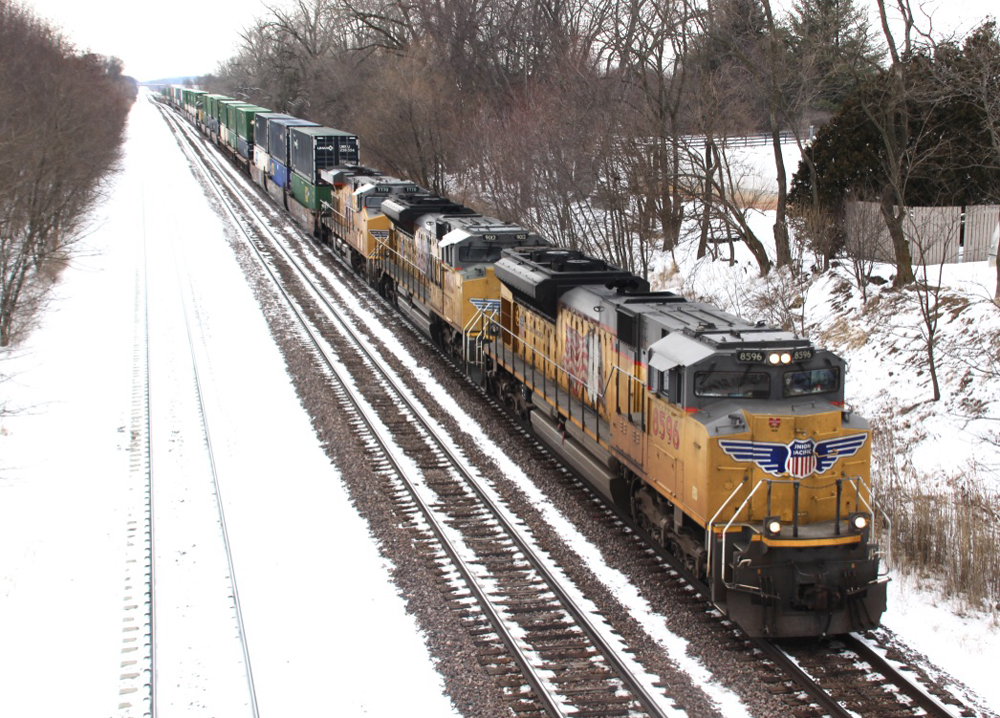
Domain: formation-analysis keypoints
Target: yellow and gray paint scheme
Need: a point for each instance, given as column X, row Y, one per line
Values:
column 728, row 441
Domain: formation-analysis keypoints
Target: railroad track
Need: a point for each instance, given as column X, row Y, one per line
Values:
column 503, row 584
column 182, row 605
column 849, row 676
column 136, row 690
column 845, row 678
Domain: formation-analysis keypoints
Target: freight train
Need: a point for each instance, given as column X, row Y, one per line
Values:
column 728, row 442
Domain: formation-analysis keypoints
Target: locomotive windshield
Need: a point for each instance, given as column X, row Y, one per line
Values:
column 739, row 384
column 476, row 254
column 811, row 381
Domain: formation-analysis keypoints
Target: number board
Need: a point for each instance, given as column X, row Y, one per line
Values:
column 758, row 356
column 750, row 356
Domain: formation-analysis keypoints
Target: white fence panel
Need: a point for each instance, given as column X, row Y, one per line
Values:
column 981, row 224
column 935, row 233
column 866, row 235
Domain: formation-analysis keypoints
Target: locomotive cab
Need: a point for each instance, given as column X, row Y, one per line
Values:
column 354, row 220
column 443, row 266
column 785, row 505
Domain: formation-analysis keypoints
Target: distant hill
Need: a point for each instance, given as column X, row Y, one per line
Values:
column 182, row 80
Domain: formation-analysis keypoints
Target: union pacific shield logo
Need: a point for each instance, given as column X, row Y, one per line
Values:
column 802, row 458
column 798, row 459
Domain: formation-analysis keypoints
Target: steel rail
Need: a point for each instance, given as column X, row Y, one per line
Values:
column 802, row 679
column 150, row 516
column 137, row 684
column 203, row 411
column 908, row 687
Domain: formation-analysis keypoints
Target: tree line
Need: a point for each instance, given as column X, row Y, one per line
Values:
column 605, row 124
column 62, row 120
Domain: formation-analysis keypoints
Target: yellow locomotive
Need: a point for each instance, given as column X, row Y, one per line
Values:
column 727, row 441
column 438, row 266
column 354, row 215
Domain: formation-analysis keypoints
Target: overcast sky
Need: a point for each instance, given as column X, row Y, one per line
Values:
column 155, row 39
column 191, row 37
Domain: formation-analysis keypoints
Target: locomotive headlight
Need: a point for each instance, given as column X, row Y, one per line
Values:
column 772, row 526
column 858, row 522
column 774, row 358
column 786, row 358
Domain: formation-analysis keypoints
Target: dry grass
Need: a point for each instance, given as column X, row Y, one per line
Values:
column 947, row 530
column 756, row 199
column 842, row 333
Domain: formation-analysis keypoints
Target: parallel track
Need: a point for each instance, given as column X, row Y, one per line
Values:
column 241, row 632
column 141, row 670
column 137, row 689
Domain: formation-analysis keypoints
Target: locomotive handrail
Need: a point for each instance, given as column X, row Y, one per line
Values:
column 711, row 523
column 858, row 482
column 333, row 212
column 615, row 369
column 888, row 522
column 571, row 380
column 547, row 360
column 725, row 530
column 480, row 315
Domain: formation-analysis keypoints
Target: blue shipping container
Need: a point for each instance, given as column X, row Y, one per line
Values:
column 279, row 173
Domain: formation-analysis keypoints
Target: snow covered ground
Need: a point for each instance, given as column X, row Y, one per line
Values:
column 64, row 473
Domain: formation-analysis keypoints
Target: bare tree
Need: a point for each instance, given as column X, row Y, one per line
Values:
column 63, row 118
column 649, row 45
column 863, row 231
column 900, row 132
column 725, row 192
column 981, row 80
column 934, row 240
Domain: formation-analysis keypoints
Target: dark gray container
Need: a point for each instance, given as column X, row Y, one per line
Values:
column 277, row 137
column 260, row 126
column 320, row 148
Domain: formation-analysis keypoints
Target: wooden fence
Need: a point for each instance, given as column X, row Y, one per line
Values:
column 936, row 234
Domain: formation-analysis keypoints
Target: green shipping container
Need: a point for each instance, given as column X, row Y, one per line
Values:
column 213, row 104
column 229, row 119
column 226, row 115
column 192, row 98
column 244, row 121
column 223, row 110
column 309, row 195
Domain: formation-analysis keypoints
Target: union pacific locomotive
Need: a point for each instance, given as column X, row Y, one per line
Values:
column 728, row 442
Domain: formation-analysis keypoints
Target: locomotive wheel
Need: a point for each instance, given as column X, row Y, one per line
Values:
column 388, row 290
